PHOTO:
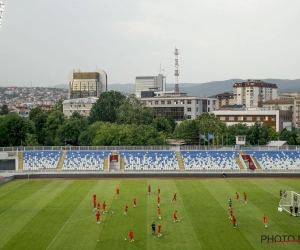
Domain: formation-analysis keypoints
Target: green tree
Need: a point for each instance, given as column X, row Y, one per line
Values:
column 4, row 110
column 34, row 112
column 13, row 130
column 291, row 141
column 188, row 131
column 105, row 109
column 31, row 140
column 55, row 119
column 172, row 122
column 298, row 138
column 134, row 111
column 58, row 106
column 161, row 124
column 69, row 131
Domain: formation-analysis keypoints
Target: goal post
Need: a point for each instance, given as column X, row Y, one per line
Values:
column 290, row 202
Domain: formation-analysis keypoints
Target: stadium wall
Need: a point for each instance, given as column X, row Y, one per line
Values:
column 154, row 175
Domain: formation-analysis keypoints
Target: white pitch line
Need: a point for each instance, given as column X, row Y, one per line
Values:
column 67, row 221
column 263, row 188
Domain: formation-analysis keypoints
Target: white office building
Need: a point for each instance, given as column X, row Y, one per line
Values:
column 146, row 83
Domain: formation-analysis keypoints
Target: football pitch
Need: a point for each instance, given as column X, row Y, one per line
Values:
column 58, row 214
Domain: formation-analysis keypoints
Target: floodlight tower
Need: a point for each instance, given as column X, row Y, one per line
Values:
column 1, row 12
column 176, row 71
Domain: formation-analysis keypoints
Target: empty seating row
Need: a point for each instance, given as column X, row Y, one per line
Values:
column 38, row 160
column 85, row 160
column 277, row 159
column 209, row 160
column 149, row 160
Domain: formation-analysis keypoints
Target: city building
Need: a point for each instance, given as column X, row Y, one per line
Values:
column 81, row 105
column 87, row 84
column 180, row 107
column 278, row 119
column 296, row 113
column 146, row 83
column 225, row 98
column 254, row 93
column 285, row 95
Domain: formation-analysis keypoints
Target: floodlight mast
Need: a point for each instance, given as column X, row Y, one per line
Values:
column 1, row 12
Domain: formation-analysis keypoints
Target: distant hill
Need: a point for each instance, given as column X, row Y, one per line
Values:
column 208, row 88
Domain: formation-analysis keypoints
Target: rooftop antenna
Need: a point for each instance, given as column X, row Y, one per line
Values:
column 176, row 71
column 1, row 12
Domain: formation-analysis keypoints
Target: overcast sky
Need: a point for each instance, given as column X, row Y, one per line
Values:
column 42, row 41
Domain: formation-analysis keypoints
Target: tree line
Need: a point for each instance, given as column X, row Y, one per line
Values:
column 119, row 120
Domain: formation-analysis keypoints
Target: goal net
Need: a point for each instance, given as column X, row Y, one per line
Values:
column 289, row 201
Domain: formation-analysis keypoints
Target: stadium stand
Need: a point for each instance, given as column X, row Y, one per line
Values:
column 85, row 160
column 38, row 160
column 277, row 159
column 149, row 160
column 209, row 160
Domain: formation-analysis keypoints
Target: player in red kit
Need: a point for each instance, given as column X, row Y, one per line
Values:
column 174, row 197
column 230, row 213
column 234, row 222
column 95, row 204
column 126, row 210
column 245, row 197
column 130, row 233
column 134, row 202
column 158, row 212
column 265, row 221
column 158, row 201
column 117, row 193
column 159, row 230
column 98, row 206
column 149, row 189
column 98, row 217
column 104, row 207
column 237, row 196
column 94, row 197
column 158, row 191
column 175, row 216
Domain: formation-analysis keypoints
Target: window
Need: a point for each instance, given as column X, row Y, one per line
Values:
column 169, row 102
column 197, row 109
column 231, row 118
column 189, row 102
column 162, row 102
column 175, row 102
column 257, row 118
column 273, row 118
column 156, row 102
column 182, row 102
column 266, row 118
column 150, row 102
column 189, row 117
column 240, row 118
column 189, row 109
column 249, row 118
column 222, row 118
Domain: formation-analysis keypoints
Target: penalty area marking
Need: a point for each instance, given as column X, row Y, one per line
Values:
column 263, row 188
column 68, row 220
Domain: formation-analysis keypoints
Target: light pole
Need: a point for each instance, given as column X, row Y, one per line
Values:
column 21, row 142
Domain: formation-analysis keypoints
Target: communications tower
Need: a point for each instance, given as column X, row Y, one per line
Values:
column 176, row 71
column 1, row 12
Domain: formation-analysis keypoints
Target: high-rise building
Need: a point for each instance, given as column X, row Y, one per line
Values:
column 254, row 93
column 146, row 83
column 87, row 84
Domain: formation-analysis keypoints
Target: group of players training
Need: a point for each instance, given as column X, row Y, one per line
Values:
column 231, row 216
column 97, row 207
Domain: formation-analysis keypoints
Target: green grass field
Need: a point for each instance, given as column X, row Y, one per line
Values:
column 58, row 214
